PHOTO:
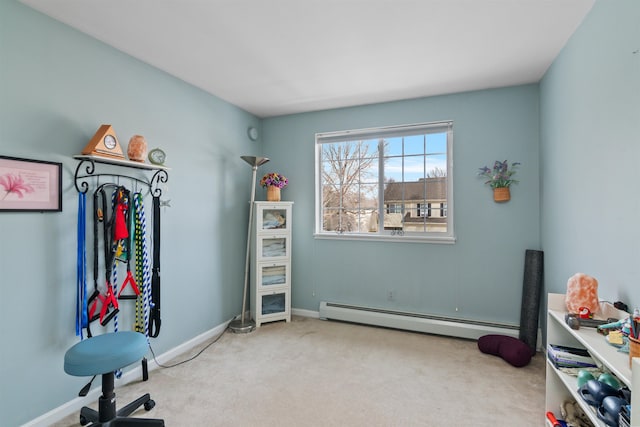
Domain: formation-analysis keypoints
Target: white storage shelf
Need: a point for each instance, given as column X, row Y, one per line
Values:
column 561, row 386
column 271, row 263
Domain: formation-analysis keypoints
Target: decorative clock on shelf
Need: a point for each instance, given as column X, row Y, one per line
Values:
column 110, row 142
column 104, row 143
column 157, row 156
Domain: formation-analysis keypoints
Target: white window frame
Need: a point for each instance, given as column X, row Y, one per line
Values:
column 447, row 237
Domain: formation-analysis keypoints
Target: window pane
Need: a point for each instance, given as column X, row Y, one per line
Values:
column 331, row 196
column 369, row 196
column 368, row 149
column 393, row 169
column 413, row 168
column 333, row 151
column 393, row 221
column 436, row 165
column 393, row 147
column 370, row 175
column 335, row 220
column 329, row 175
column 414, row 145
column 436, row 143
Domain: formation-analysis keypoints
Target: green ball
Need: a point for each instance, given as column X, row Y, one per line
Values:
column 583, row 377
column 608, row 378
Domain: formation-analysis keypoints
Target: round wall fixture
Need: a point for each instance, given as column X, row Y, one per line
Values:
column 253, row 133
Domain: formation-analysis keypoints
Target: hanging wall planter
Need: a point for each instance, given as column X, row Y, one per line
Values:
column 500, row 179
column 501, row 194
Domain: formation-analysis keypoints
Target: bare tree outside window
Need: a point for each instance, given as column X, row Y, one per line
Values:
column 436, row 172
column 349, row 184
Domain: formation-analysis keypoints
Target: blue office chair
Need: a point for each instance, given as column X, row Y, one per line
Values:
column 103, row 355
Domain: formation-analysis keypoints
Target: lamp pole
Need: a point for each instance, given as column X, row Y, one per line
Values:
column 243, row 325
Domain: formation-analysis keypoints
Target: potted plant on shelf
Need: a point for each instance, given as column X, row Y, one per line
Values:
column 274, row 182
column 500, row 179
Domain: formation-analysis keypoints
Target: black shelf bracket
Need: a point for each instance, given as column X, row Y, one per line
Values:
column 86, row 173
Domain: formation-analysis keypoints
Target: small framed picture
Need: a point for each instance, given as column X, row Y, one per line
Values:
column 30, row 185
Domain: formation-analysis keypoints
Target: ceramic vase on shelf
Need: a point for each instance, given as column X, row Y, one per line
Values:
column 273, row 194
column 501, row 194
column 137, row 150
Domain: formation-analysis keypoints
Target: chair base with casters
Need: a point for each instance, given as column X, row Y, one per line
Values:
column 103, row 355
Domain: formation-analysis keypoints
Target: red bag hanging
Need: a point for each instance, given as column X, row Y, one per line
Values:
column 120, row 230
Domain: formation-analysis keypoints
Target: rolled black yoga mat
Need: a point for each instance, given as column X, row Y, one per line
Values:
column 531, row 290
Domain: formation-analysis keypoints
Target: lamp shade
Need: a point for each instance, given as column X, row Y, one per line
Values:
column 255, row 161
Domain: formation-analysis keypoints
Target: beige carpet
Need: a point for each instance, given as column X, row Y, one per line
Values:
column 319, row 373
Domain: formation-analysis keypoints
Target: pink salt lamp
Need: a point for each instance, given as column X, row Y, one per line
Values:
column 582, row 291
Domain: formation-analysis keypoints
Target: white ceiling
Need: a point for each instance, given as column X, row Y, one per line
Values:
column 274, row 57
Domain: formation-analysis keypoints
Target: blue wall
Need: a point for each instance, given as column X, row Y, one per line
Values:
column 590, row 148
column 57, row 87
column 480, row 277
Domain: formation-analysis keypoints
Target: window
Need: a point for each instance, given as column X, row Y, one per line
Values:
column 403, row 172
column 424, row 210
column 394, row 208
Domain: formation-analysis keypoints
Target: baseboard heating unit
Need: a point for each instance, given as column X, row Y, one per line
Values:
column 439, row 325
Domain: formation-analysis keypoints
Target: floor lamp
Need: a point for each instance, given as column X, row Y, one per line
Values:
column 243, row 325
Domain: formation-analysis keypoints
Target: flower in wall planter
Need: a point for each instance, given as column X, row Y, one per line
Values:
column 500, row 179
column 274, row 182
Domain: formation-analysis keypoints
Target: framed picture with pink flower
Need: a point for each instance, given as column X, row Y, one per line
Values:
column 30, row 185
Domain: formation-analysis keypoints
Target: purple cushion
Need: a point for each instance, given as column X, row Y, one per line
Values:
column 511, row 349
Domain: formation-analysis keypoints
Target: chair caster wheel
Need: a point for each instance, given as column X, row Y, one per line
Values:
column 83, row 421
column 149, row 404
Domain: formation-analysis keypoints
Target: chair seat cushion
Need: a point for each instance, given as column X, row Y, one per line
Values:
column 105, row 353
column 511, row 349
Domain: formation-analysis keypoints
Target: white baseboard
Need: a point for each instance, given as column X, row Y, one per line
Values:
column 66, row 409
column 131, row 375
column 305, row 313
column 415, row 322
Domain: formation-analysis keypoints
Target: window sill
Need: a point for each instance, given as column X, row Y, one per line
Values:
column 448, row 240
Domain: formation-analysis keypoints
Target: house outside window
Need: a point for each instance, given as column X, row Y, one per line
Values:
column 405, row 172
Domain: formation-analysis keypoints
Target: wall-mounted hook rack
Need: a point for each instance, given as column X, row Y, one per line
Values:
column 89, row 177
column 86, row 171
